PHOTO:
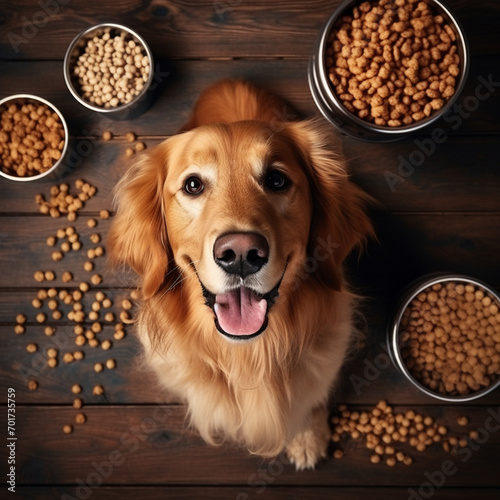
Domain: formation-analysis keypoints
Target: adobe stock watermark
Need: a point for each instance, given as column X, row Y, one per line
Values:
column 426, row 147
column 323, row 250
column 437, row 479
column 265, row 476
column 130, row 441
column 31, row 27
column 222, row 7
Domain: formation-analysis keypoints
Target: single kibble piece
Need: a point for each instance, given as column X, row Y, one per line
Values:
column 80, row 418
column 110, row 364
column 31, row 348
column 107, row 135
column 76, row 389
column 104, row 214
column 106, row 345
column 32, row 385
column 130, row 137
column 68, row 429
column 98, row 390
column 77, row 403
column 98, row 367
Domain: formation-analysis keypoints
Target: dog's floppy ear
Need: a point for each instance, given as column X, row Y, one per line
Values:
column 138, row 234
column 339, row 222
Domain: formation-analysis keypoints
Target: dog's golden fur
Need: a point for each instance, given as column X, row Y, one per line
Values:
column 269, row 393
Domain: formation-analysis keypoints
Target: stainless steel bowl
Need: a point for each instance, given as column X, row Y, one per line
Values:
column 346, row 122
column 58, row 169
column 393, row 333
column 130, row 110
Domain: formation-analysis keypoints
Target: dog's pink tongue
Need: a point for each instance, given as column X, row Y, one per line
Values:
column 240, row 311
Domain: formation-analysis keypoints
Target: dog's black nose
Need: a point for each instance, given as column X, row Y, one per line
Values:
column 241, row 253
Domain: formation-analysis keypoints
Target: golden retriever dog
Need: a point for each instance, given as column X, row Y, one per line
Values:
column 237, row 228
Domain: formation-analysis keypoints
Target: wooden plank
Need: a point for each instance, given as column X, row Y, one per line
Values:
column 178, row 84
column 183, row 29
column 408, row 246
column 412, row 175
column 368, row 376
column 246, row 492
column 151, row 445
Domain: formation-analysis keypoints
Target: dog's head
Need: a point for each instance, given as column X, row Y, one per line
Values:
column 243, row 212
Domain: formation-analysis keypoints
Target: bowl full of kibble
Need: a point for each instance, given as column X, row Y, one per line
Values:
column 108, row 68
column 445, row 337
column 33, row 138
column 382, row 69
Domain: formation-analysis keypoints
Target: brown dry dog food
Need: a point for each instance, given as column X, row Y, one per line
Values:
column 393, row 62
column 450, row 338
column 31, row 139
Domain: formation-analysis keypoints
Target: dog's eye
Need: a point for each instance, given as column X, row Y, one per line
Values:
column 194, row 186
column 277, row 181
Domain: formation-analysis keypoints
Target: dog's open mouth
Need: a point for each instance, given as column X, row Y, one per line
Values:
column 241, row 313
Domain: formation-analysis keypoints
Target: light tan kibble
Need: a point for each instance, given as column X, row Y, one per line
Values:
column 77, row 403
column 463, row 421
column 96, row 279
column 68, row 429
column 49, row 331
column 126, row 304
column 91, row 223
column 68, row 357
column 130, row 137
column 106, row 303
column 78, row 355
column 109, row 317
column 104, row 214
column 41, row 317
column 338, row 453
column 95, row 238
column 76, row 389
column 52, row 352
column 98, row 367
column 32, row 385
column 39, row 276
column 51, row 241
column 19, row 329
column 140, row 146
column 97, row 390
column 31, row 348
column 84, row 287
column 50, row 276
column 80, row 418
column 110, row 364
column 106, row 345
column 67, row 277
column 88, row 266
column 129, row 152
column 52, row 362
column 107, row 135
column 119, row 334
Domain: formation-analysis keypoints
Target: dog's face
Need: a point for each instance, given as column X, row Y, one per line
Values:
column 238, row 212
column 244, row 209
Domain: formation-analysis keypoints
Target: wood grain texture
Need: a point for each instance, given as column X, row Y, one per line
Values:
column 204, row 29
column 116, row 441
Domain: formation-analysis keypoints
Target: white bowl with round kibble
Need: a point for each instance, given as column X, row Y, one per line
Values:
column 108, row 68
column 445, row 337
column 33, row 139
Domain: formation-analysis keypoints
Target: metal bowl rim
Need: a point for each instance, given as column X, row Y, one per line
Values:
column 394, row 131
column 69, row 52
column 66, row 136
column 412, row 290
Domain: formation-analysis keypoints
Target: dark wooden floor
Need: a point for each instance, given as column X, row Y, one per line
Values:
column 445, row 216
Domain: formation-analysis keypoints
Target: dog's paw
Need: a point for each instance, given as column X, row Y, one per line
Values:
column 309, row 446
column 306, row 449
